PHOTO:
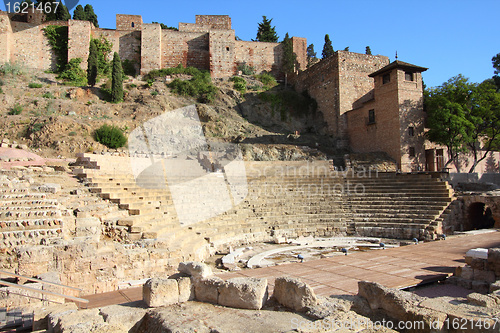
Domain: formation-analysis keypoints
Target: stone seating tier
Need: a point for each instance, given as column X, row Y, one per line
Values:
column 390, row 205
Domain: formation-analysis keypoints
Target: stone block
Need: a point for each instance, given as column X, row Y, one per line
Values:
column 464, row 272
column 481, row 275
column 126, row 316
column 65, row 321
column 40, row 314
column 195, row 269
column 396, row 303
column 495, row 286
column 244, row 293
column 160, row 292
column 481, row 286
column 186, row 289
column 50, row 188
column 294, row 294
column 207, row 290
column 482, row 300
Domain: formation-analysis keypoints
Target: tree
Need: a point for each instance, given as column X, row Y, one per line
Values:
column 346, row 48
column 289, row 58
column 117, row 80
column 327, row 48
column 465, row 117
column 90, row 15
column 79, row 13
column 496, row 66
column 62, row 13
column 446, row 107
column 92, row 64
column 484, row 115
column 266, row 32
column 368, row 50
column 311, row 55
column 166, row 27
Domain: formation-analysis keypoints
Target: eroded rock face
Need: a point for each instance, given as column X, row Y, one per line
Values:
column 160, row 292
column 294, row 294
column 244, row 293
column 195, row 269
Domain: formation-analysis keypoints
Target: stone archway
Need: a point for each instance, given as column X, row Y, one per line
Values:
column 479, row 216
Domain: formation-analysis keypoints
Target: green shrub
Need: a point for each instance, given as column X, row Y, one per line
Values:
column 1, row 82
column 48, row 95
column 132, row 86
column 35, row 85
column 199, row 86
column 16, row 110
column 72, row 133
column 155, row 73
column 267, row 79
column 289, row 101
column 246, row 69
column 129, row 68
column 110, row 136
column 239, row 84
column 154, row 93
column 58, row 39
column 1, row 90
column 150, row 82
column 11, row 68
column 73, row 73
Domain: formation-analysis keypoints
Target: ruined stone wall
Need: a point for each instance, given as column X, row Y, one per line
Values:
column 186, row 48
column 222, row 53
column 261, row 56
column 128, row 22
column 5, row 37
column 322, row 83
column 151, row 48
column 79, row 40
column 300, row 49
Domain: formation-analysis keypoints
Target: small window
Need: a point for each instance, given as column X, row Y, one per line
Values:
column 408, row 76
column 412, row 151
column 133, row 25
column 386, row 78
column 411, row 131
column 371, row 116
column 227, row 48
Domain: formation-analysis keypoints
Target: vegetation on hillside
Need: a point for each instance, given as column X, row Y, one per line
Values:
column 199, row 86
column 110, row 136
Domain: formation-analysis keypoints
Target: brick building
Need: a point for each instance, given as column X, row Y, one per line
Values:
column 371, row 105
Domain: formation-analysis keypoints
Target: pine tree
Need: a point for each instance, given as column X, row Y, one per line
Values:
column 327, row 48
column 289, row 57
column 62, row 13
column 266, row 33
column 79, row 13
column 346, row 48
column 117, row 80
column 92, row 64
column 368, row 50
column 90, row 15
column 311, row 55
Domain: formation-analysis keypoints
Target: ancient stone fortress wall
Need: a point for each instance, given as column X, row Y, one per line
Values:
column 186, row 48
column 208, row 44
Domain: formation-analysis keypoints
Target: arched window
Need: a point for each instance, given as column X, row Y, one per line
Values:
column 133, row 24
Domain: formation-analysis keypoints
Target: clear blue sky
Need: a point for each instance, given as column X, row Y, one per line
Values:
column 448, row 37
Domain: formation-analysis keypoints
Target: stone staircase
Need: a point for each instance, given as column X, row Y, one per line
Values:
column 28, row 215
column 319, row 203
